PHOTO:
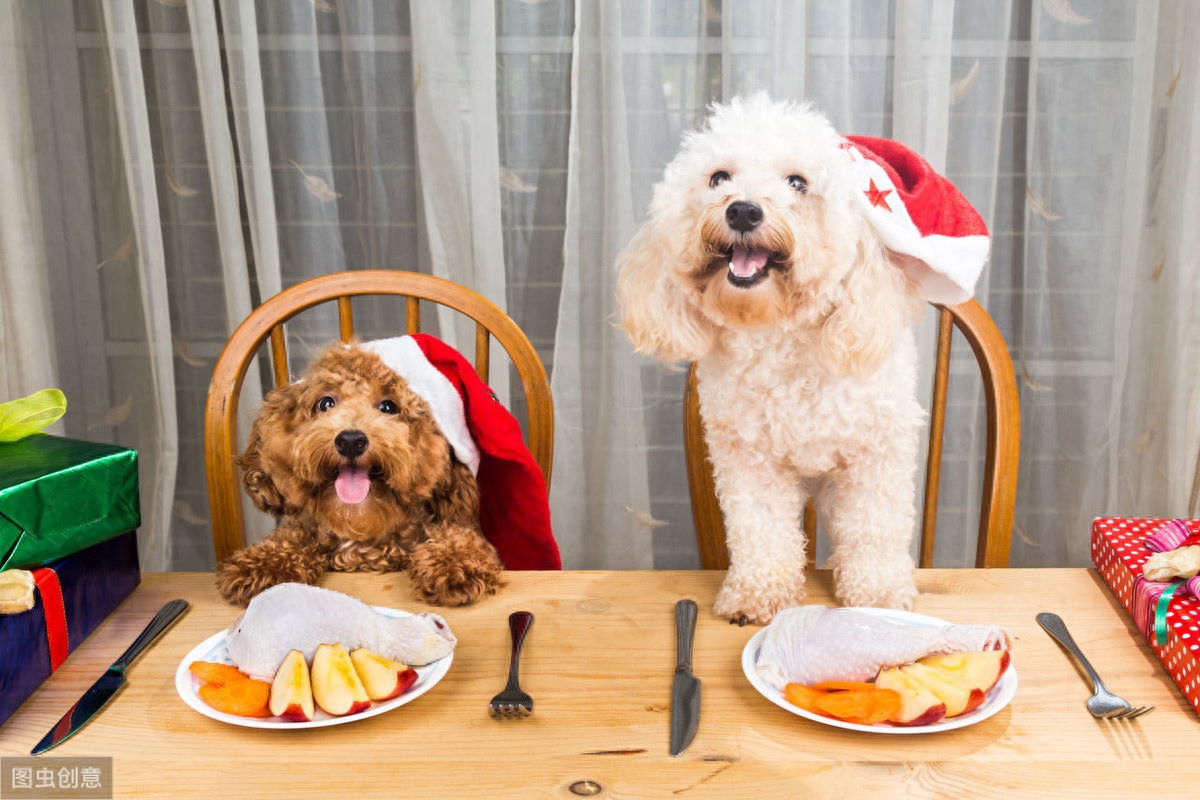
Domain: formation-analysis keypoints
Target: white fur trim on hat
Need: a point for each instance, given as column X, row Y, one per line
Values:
column 404, row 357
column 946, row 257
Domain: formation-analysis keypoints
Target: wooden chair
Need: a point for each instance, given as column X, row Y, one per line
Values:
column 220, row 414
column 1000, row 468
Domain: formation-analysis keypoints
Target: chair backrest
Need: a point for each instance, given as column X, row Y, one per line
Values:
column 999, row 490
column 220, row 414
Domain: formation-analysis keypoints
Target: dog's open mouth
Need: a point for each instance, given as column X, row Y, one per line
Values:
column 747, row 266
column 353, row 482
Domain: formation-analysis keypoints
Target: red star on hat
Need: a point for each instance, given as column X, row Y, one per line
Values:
column 877, row 196
column 942, row 240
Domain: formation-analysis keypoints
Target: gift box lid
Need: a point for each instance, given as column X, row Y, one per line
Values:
column 60, row 495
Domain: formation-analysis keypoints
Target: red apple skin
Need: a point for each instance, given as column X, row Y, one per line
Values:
column 1005, row 660
column 404, row 680
column 932, row 714
column 407, row 679
column 981, row 669
column 292, row 685
column 382, row 677
column 295, row 713
column 977, row 697
column 918, row 706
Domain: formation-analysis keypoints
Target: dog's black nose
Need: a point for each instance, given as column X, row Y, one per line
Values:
column 351, row 443
column 743, row 215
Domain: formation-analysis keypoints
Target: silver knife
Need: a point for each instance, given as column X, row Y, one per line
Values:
column 110, row 682
column 685, row 694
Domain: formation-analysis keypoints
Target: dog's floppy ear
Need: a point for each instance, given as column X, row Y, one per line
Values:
column 257, row 482
column 655, row 311
column 456, row 498
column 879, row 302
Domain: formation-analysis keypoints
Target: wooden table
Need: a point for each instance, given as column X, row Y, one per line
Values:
column 598, row 661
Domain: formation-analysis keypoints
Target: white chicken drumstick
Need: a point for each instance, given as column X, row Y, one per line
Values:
column 809, row 644
column 296, row 616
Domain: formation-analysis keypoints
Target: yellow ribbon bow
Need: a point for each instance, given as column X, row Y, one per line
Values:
column 21, row 417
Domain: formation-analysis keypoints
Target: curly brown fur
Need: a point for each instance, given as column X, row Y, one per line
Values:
column 420, row 515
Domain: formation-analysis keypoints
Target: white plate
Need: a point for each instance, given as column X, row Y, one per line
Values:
column 213, row 649
column 997, row 698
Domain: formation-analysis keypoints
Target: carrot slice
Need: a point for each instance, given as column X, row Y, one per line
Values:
column 887, row 705
column 244, row 698
column 804, row 696
column 863, row 706
column 213, row 672
column 844, row 686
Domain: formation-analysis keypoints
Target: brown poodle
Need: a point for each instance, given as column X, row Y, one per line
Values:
column 352, row 462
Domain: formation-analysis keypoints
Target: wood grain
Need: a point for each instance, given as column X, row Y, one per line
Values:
column 598, row 661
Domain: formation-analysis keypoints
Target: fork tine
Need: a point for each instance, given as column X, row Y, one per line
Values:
column 1129, row 713
column 1137, row 712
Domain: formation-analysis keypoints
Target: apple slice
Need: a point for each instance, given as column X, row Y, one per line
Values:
column 918, row 705
column 958, row 698
column 291, row 691
column 382, row 677
column 981, row 669
column 335, row 685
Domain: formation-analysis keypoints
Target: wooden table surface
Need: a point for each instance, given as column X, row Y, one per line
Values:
column 598, row 661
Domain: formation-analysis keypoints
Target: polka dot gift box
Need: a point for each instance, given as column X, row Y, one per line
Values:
column 1167, row 613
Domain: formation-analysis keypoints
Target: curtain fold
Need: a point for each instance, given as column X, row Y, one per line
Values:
column 219, row 150
column 457, row 153
column 156, row 406
column 27, row 354
column 599, row 498
column 1159, row 439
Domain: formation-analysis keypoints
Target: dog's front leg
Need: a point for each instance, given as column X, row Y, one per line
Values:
column 870, row 509
column 454, row 565
column 761, row 503
column 289, row 553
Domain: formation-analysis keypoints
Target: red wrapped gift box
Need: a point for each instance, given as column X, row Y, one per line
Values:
column 1118, row 551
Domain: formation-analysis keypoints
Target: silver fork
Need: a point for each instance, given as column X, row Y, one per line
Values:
column 513, row 702
column 1102, row 703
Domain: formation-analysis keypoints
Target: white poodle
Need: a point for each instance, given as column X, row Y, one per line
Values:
column 758, row 262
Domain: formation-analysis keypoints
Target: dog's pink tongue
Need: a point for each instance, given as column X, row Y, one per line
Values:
column 745, row 262
column 352, row 484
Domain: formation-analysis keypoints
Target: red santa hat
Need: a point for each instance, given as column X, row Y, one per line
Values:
column 514, row 512
column 919, row 214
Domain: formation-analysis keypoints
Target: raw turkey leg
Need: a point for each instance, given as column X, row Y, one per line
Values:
column 810, row 644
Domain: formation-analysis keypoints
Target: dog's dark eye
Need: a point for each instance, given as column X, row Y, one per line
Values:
column 798, row 183
column 718, row 177
column 326, row 403
column 388, row 407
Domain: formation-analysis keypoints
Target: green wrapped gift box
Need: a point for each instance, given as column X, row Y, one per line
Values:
column 59, row 495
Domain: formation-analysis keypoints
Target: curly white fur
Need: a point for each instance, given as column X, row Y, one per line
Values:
column 801, row 326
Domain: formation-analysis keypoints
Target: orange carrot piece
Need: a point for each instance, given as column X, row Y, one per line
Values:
column 863, row 706
column 887, row 704
column 804, row 696
column 213, row 672
column 844, row 686
column 244, row 698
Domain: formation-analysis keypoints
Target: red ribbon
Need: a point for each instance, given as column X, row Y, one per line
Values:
column 56, row 615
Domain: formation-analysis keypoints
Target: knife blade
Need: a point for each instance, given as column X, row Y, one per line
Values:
column 106, row 688
column 685, row 694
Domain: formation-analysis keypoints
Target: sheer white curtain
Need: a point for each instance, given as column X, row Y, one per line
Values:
column 168, row 165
